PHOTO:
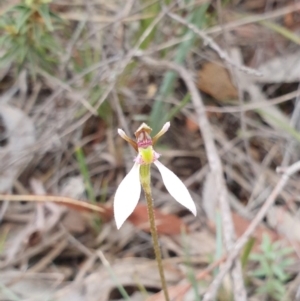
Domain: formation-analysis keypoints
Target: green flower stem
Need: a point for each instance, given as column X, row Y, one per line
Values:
column 146, row 184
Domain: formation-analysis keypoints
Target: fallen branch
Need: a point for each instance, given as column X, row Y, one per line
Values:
column 50, row 198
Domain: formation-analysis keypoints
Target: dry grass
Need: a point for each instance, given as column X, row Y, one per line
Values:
column 118, row 64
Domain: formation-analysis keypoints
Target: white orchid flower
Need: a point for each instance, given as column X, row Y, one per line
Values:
column 129, row 191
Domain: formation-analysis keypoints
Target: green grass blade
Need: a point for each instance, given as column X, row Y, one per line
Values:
column 288, row 34
column 281, row 124
column 247, row 251
column 174, row 111
column 113, row 276
column 23, row 18
column 152, row 9
column 10, row 56
column 45, row 14
column 159, row 109
column 85, row 174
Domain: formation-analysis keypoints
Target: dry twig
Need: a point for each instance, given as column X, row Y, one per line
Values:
column 234, row 252
column 213, row 45
column 254, row 106
column 50, row 198
column 256, row 18
column 34, row 250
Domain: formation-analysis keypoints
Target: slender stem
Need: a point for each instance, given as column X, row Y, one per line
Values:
column 145, row 181
column 156, row 244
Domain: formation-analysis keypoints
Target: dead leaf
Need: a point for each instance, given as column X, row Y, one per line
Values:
column 292, row 20
column 178, row 292
column 15, row 154
column 284, row 223
column 215, row 81
column 128, row 272
column 191, row 125
column 167, row 224
column 33, row 286
column 254, row 4
column 241, row 225
column 73, row 187
column 179, row 243
column 281, row 69
column 75, row 222
column 272, row 115
column 151, row 90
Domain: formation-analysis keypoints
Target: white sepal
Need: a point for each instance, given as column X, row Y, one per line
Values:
column 176, row 188
column 127, row 195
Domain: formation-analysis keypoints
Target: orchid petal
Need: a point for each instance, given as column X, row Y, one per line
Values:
column 127, row 195
column 176, row 188
column 161, row 132
column 128, row 139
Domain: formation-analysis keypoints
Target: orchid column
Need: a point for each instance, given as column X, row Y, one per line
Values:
column 128, row 192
